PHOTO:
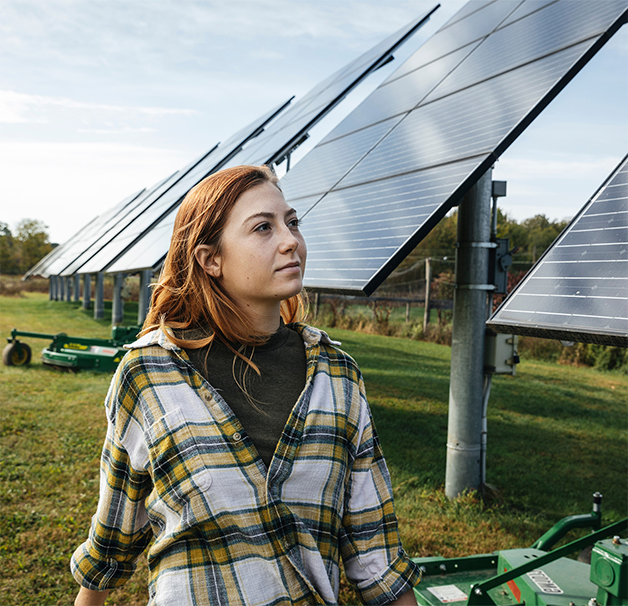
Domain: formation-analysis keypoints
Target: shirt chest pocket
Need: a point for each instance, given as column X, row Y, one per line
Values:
column 179, row 469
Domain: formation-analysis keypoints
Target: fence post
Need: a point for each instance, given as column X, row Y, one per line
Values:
column 428, row 293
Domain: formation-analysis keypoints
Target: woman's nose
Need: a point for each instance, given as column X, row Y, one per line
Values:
column 289, row 241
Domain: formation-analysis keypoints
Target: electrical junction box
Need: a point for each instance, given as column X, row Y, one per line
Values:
column 500, row 353
column 499, row 262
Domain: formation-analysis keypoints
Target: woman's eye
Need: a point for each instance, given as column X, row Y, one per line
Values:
column 263, row 227
column 294, row 222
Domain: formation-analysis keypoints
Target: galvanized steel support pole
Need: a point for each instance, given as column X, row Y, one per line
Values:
column 68, row 288
column 99, row 296
column 61, row 292
column 146, row 276
column 77, row 288
column 467, row 352
column 51, row 288
column 87, row 291
column 117, row 311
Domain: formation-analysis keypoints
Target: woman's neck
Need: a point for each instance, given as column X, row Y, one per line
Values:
column 266, row 320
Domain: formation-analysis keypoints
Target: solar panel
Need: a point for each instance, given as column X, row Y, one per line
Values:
column 282, row 135
column 420, row 141
column 578, row 290
column 87, row 236
column 161, row 199
column 104, row 231
column 147, row 249
column 39, row 268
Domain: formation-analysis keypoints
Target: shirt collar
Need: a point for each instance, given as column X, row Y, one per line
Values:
column 311, row 337
column 155, row 337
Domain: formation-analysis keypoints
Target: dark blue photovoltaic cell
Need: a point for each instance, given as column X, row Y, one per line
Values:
column 467, row 9
column 598, row 14
column 471, row 122
column 450, row 38
column 320, row 171
column 358, row 229
column 401, row 94
column 463, row 97
column 579, row 288
column 512, row 46
column 151, row 249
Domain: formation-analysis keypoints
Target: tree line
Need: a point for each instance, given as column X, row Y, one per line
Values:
column 531, row 238
column 22, row 249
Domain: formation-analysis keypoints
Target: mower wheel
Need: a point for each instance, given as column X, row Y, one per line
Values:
column 16, row 354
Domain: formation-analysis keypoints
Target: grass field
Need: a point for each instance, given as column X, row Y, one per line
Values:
column 556, row 435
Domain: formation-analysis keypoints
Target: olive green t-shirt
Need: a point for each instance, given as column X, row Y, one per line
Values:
column 282, row 364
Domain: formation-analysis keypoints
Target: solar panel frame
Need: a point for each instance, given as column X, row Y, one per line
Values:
column 610, row 292
column 590, row 42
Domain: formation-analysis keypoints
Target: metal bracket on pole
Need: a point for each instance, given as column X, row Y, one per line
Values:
column 488, row 287
column 476, row 244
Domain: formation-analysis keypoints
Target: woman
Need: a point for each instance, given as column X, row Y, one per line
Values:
column 244, row 446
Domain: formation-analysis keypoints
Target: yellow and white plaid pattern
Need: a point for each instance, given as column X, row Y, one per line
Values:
column 178, row 466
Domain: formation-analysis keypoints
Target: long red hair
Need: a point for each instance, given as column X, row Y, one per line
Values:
column 185, row 296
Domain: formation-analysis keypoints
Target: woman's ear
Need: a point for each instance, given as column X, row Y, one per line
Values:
column 208, row 260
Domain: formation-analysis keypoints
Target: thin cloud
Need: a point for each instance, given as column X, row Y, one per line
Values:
column 21, row 107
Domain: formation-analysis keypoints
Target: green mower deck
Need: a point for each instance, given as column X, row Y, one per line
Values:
column 74, row 353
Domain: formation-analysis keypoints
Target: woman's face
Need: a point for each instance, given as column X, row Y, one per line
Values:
column 262, row 257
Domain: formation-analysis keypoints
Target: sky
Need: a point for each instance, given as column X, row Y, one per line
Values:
column 101, row 98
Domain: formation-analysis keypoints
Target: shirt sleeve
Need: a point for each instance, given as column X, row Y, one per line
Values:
column 374, row 559
column 120, row 530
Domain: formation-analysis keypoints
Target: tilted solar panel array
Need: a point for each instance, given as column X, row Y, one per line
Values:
column 90, row 234
column 160, row 199
column 39, row 269
column 380, row 181
column 578, row 290
column 148, row 248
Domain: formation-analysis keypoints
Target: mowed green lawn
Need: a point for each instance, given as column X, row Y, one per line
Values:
column 556, row 435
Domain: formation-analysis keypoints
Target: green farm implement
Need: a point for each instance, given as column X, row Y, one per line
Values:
column 535, row 575
column 73, row 353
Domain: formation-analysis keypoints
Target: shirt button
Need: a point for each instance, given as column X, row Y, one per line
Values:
column 236, row 437
column 204, row 481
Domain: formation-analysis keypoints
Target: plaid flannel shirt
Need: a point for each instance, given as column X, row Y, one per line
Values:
column 178, row 466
